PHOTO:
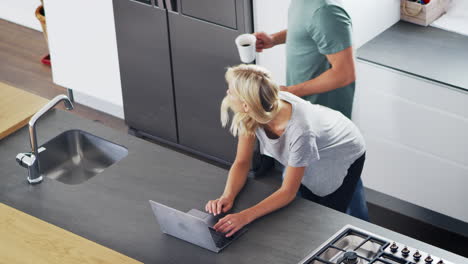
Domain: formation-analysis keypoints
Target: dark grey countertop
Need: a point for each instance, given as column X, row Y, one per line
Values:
column 426, row 52
column 112, row 208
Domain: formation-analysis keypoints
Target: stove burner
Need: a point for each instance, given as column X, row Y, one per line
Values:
column 349, row 257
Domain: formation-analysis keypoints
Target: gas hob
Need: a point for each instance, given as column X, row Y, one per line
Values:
column 352, row 245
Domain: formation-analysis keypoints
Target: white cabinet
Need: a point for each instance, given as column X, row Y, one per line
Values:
column 84, row 52
column 416, row 134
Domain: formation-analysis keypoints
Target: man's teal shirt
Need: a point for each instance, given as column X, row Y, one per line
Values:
column 317, row 28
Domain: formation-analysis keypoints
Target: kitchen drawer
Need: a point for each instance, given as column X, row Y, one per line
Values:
column 221, row 12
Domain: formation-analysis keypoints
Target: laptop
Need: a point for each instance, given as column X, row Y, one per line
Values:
column 194, row 226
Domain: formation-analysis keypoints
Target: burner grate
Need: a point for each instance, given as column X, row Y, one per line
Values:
column 367, row 248
column 351, row 243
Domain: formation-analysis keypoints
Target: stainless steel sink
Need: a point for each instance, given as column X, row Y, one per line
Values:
column 75, row 156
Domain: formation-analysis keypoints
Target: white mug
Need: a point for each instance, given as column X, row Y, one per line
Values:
column 246, row 46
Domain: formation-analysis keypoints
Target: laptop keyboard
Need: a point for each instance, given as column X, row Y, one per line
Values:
column 220, row 239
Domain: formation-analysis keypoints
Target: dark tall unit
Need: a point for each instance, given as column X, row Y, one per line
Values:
column 187, row 50
column 145, row 72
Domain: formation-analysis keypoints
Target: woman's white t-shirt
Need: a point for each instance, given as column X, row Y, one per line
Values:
column 318, row 138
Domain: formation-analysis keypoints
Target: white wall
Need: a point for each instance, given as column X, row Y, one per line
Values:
column 20, row 12
column 271, row 16
column 84, row 52
column 370, row 17
column 82, row 46
column 415, row 132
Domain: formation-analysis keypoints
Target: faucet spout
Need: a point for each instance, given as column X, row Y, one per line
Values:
column 33, row 158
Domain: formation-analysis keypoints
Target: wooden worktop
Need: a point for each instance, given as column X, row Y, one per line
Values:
column 26, row 239
column 16, row 108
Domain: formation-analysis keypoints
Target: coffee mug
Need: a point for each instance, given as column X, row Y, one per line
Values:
column 246, row 46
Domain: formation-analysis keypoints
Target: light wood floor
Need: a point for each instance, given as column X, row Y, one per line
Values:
column 21, row 50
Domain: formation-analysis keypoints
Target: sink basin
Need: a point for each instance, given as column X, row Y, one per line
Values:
column 75, row 156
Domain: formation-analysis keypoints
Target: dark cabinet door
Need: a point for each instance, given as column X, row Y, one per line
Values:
column 145, row 68
column 202, row 47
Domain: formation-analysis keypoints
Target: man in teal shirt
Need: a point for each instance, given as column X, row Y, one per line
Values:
column 320, row 62
column 319, row 53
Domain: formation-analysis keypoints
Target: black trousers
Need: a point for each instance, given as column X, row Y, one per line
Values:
column 341, row 198
column 261, row 164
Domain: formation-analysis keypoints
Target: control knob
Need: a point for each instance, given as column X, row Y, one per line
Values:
column 405, row 252
column 428, row 259
column 394, row 247
column 417, row 256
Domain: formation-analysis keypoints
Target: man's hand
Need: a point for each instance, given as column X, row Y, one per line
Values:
column 264, row 41
column 220, row 205
column 284, row 88
column 231, row 223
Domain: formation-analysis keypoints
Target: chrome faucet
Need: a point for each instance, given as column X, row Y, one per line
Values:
column 30, row 160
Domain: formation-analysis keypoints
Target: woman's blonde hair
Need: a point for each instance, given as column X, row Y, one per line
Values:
column 254, row 86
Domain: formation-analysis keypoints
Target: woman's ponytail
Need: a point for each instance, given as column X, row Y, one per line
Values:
column 253, row 85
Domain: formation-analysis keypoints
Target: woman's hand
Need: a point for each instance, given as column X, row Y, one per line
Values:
column 231, row 223
column 220, row 205
column 264, row 41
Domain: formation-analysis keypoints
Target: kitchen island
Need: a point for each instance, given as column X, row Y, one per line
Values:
column 112, row 208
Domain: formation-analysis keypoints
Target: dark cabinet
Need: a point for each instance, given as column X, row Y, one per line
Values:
column 221, row 12
column 145, row 72
column 172, row 68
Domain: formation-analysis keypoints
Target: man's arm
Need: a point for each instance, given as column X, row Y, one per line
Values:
column 280, row 37
column 266, row 41
column 341, row 73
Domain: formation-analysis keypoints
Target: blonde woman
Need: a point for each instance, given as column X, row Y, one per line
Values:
column 323, row 152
